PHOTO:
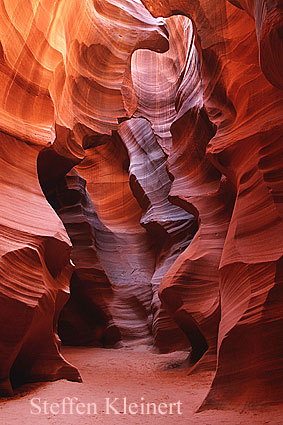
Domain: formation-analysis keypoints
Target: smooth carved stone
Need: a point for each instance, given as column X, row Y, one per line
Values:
column 169, row 226
column 62, row 82
column 85, row 319
column 249, row 156
column 246, row 148
column 35, row 273
column 156, row 79
column 175, row 74
column 52, row 71
column 190, row 289
column 123, row 245
column 268, row 16
column 216, row 92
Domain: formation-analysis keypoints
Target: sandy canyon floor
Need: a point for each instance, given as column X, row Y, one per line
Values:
column 118, row 386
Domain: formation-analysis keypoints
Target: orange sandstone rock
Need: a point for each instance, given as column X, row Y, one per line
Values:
column 246, row 148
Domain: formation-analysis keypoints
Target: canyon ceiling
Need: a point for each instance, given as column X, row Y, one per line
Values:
column 141, row 170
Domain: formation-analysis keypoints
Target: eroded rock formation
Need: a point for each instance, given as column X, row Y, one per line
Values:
column 170, row 226
column 123, row 245
column 86, row 319
column 165, row 166
column 63, row 81
column 35, row 272
column 247, row 149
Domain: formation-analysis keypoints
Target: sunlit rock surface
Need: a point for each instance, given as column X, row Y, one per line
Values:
column 240, row 96
column 170, row 227
column 65, row 75
column 77, row 72
column 165, row 166
column 122, row 244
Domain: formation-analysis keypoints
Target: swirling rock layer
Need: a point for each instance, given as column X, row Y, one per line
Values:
column 85, row 319
column 172, row 227
column 176, row 191
column 122, row 244
column 65, row 76
column 247, row 145
column 35, row 272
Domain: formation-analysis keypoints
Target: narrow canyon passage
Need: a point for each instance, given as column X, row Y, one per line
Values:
column 113, row 377
column 141, row 212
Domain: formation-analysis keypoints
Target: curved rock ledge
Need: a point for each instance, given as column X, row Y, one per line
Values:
column 246, row 110
column 60, row 83
column 35, row 272
column 171, row 227
column 163, row 142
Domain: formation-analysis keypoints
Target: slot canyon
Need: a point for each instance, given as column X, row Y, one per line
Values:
column 141, row 235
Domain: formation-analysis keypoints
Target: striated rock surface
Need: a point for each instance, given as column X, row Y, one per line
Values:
column 65, row 82
column 166, row 170
column 85, row 319
column 175, row 75
column 268, row 16
column 156, row 79
column 246, row 148
column 169, row 226
column 35, row 273
column 68, row 73
column 122, row 244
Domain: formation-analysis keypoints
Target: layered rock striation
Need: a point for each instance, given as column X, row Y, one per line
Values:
column 61, row 83
column 170, row 227
column 86, row 319
column 35, row 273
column 240, row 97
column 164, row 162
column 122, row 244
